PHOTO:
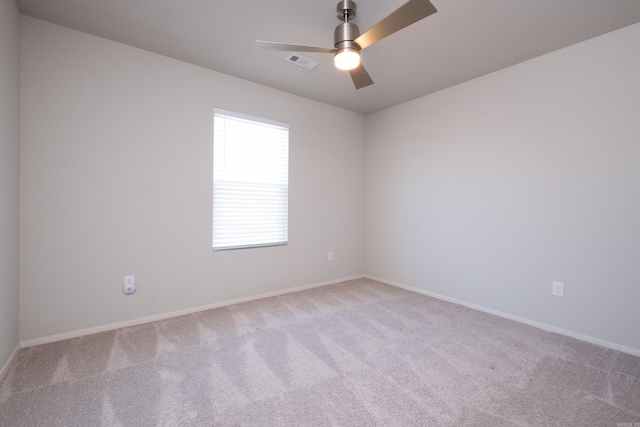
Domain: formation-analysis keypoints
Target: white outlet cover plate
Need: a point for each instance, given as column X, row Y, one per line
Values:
column 129, row 285
column 558, row 289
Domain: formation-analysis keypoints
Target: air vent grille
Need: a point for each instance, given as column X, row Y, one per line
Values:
column 302, row 61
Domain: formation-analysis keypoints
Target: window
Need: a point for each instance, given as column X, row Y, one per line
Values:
column 250, row 181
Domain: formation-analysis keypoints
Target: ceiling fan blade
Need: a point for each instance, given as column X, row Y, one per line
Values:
column 410, row 13
column 360, row 77
column 263, row 45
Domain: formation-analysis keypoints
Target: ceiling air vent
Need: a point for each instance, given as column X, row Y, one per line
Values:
column 307, row 63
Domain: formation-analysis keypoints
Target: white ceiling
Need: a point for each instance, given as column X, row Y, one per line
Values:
column 463, row 40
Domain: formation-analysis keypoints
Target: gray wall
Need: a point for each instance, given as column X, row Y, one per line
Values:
column 9, row 176
column 116, row 173
column 487, row 192
column 483, row 193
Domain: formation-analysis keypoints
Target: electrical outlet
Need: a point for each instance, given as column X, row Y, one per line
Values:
column 330, row 256
column 557, row 289
column 129, row 285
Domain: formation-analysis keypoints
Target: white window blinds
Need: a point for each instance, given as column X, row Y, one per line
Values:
column 250, row 181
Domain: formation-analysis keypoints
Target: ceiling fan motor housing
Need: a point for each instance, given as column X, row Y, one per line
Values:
column 344, row 36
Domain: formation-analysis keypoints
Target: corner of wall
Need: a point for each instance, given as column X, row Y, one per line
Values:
column 9, row 179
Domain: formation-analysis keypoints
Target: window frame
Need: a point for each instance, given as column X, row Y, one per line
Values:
column 269, row 190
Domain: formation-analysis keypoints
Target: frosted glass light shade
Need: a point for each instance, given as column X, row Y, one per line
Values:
column 347, row 59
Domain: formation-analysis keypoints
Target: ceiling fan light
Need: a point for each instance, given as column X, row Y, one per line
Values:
column 347, row 58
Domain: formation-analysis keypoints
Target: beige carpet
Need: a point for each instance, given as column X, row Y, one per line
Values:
column 359, row 353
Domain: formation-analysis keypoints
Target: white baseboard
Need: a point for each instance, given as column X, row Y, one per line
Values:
column 164, row 316
column 5, row 367
column 543, row 326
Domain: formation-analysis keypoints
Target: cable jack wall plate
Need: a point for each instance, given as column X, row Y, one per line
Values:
column 302, row 61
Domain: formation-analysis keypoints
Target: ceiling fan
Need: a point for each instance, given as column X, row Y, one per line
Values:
column 347, row 39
